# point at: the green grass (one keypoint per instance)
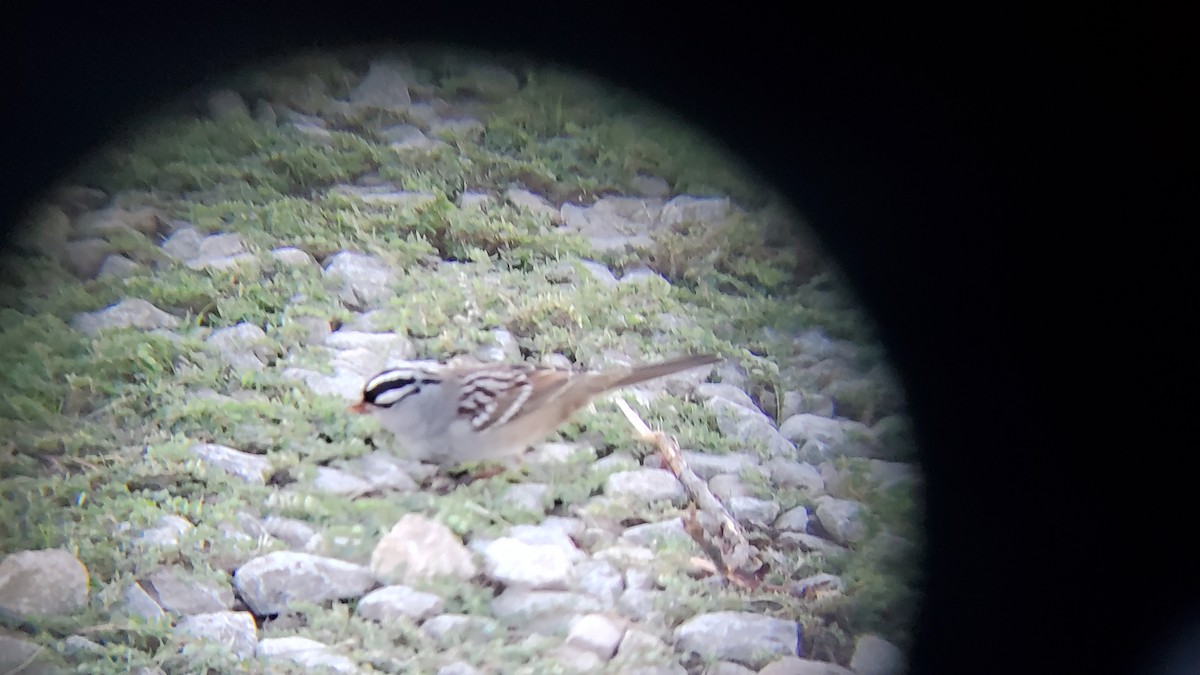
(96, 430)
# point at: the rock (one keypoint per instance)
(117, 266)
(269, 584)
(178, 592)
(137, 602)
(298, 535)
(130, 313)
(645, 485)
(361, 280)
(84, 257)
(749, 639)
(474, 200)
(599, 272)
(707, 465)
(337, 482)
(44, 231)
(226, 104)
(45, 582)
(824, 437)
(459, 668)
(613, 224)
(26, 657)
(558, 454)
(545, 612)
(596, 633)
(818, 582)
(797, 666)
(388, 604)
(798, 402)
(183, 244)
(793, 520)
(381, 470)
(809, 543)
(292, 257)
(221, 252)
(490, 82)
(638, 644)
(599, 579)
(624, 556)
(536, 566)
(727, 486)
(788, 474)
(643, 275)
(408, 137)
(750, 424)
(728, 392)
(875, 656)
(306, 653)
(726, 668)
(384, 194)
(457, 629)
(467, 129)
(700, 210)
(387, 345)
(166, 533)
(529, 497)
(531, 203)
(651, 186)
(751, 510)
(233, 631)
(250, 468)
(842, 519)
(385, 86)
(552, 532)
(418, 548)
(642, 604)
(243, 347)
(652, 535)
(78, 199)
(146, 221)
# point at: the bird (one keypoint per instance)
(458, 414)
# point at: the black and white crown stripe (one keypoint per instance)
(390, 386)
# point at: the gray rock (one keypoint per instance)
(271, 583)
(418, 548)
(789, 474)
(220, 251)
(599, 579)
(830, 437)
(250, 468)
(545, 612)
(646, 485)
(130, 313)
(178, 592)
(688, 209)
(727, 668)
(226, 104)
(44, 231)
(457, 629)
(166, 533)
(797, 402)
(536, 566)
(297, 534)
(243, 347)
(535, 204)
(292, 257)
(614, 223)
(529, 497)
(46, 582)
(822, 582)
(306, 653)
(793, 520)
(475, 200)
(642, 604)
(184, 244)
(26, 657)
(639, 645)
(117, 266)
(596, 633)
(639, 579)
(77, 199)
(652, 535)
(501, 348)
(390, 603)
(390, 345)
(233, 631)
(552, 532)
(146, 221)
(875, 656)
(728, 392)
(337, 482)
(624, 556)
(137, 602)
(809, 543)
(488, 81)
(708, 465)
(793, 665)
(558, 454)
(749, 639)
(643, 275)
(651, 186)
(361, 280)
(465, 129)
(751, 425)
(727, 486)
(385, 86)
(81, 647)
(84, 257)
(842, 519)
(381, 470)
(459, 668)
(408, 137)
(752, 510)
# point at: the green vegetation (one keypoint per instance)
(97, 430)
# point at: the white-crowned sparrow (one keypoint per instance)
(491, 412)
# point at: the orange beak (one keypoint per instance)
(360, 408)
